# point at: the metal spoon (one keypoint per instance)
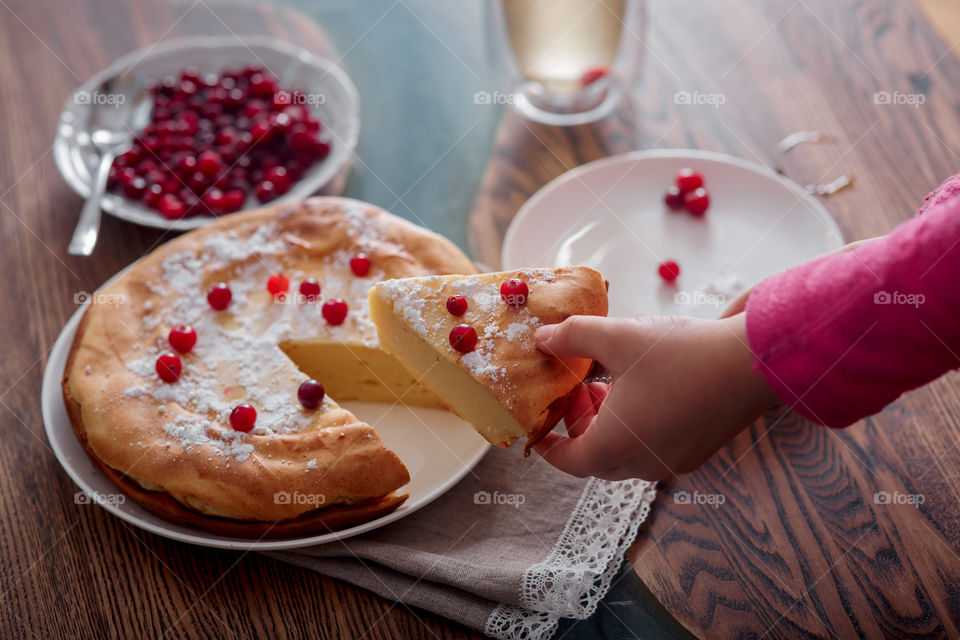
(118, 109)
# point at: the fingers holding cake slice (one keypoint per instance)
(469, 340)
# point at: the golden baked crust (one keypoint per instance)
(171, 444)
(161, 504)
(533, 387)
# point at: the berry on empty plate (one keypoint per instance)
(669, 270)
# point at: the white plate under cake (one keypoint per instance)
(171, 445)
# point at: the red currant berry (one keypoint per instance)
(300, 138)
(310, 289)
(360, 264)
(278, 284)
(673, 198)
(592, 75)
(213, 201)
(191, 74)
(243, 417)
(209, 163)
(254, 107)
(457, 305)
(169, 367)
(182, 338)
(197, 181)
(334, 311)
(687, 180)
(262, 85)
(310, 394)
(463, 338)
(265, 191)
(261, 131)
(135, 188)
(219, 296)
(187, 165)
(514, 292)
(697, 201)
(171, 207)
(188, 88)
(669, 270)
(151, 197)
(233, 200)
(280, 179)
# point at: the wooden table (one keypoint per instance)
(800, 547)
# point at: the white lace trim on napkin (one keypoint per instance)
(576, 574)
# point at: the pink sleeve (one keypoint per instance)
(841, 337)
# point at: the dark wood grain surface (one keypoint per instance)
(73, 570)
(801, 547)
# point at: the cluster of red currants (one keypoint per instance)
(215, 139)
(688, 193)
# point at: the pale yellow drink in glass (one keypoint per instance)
(555, 42)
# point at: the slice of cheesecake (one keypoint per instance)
(482, 361)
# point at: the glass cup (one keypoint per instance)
(571, 60)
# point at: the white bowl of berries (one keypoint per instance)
(236, 122)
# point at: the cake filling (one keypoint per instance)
(355, 372)
(464, 396)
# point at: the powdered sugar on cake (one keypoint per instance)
(238, 349)
(363, 230)
(479, 364)
(191, 431)
(231, 247)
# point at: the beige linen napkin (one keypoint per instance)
(515, 546)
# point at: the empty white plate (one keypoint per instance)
(610, 215)
(437, 447)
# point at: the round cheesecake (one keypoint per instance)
(171, 445)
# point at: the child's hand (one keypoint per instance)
(681, 389)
